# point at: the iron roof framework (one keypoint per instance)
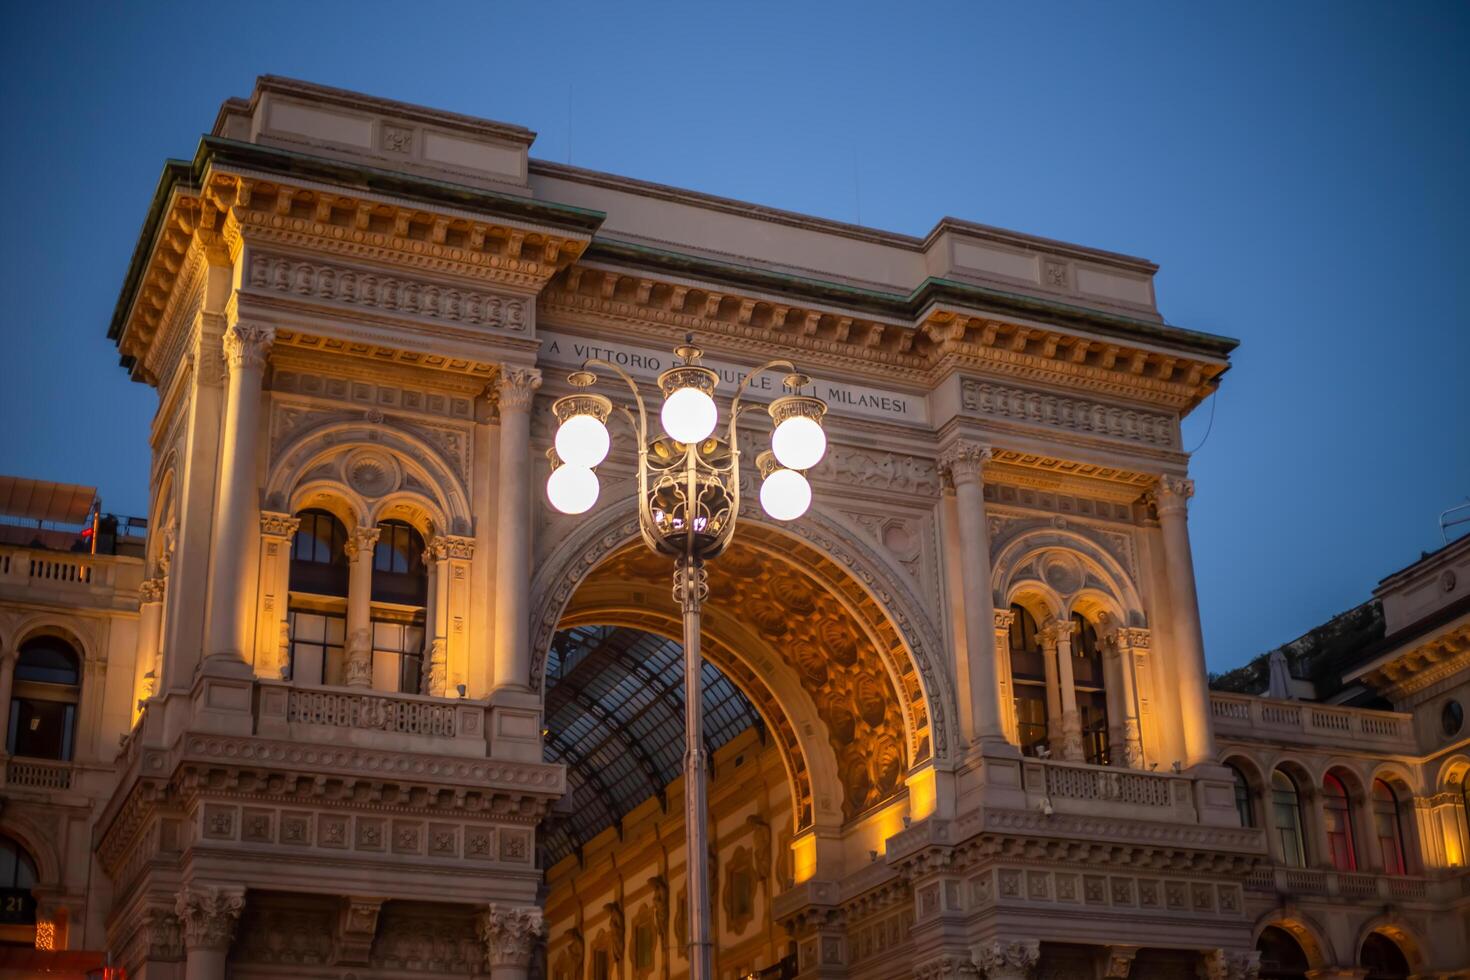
(615, 718)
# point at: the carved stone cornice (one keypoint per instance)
(1084, 416)
(274, 524)
(209, 916)
(246, 345)
(510, 934)
(516, 388)
(964, 462)
(1007, 959)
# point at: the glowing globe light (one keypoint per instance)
(689, 415)
(572, 489)
(582, 440)
(785, 495)
(799, 443)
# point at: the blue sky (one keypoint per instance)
(1298, 170)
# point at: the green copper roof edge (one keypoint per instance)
(174, 171)
(910, 304)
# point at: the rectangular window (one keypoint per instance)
(318, 647)
(397, 656)
(1092, 706)
(41, 729)
(599, 965)
(1030, 717)
(642, 947)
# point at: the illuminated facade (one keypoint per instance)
(384, 713)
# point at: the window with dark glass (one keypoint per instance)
(1286, 819)
(1389, 829)
(17, 904)
(1028, 681)
(318, 555)
(43, 700)
(1337, 813)
(1383, 958)
(1243, 804)
(398, 565)
(1092, 696)
(397, 656)
(1281, 955)
(643, 947)
(600, 965)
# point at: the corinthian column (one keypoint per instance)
(208, 917)
(510, 934)
(1171, 499)
(517, 389)
(1058, 636)
(436, 620)
(1001, 960)
(150, 631)
(360, 545)
(976, 673)
(231, 557)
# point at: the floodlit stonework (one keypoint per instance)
(367, 707)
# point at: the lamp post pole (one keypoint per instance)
(688, 506)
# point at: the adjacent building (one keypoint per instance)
(364, 706)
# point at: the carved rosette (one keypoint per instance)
(510, 934)
(1000, 960)
(964, 462)
(1171, 494)
(246, 345)
(278, 525)
(516, 388)
(209, 916)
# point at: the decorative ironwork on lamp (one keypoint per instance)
(688, 507)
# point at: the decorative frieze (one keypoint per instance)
(870, 470)
(988, 399)
(389, 294)
(373, 394)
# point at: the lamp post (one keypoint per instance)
(688, 506)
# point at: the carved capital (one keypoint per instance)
(999, 960)
(948, 966)
(516, 388)
(356, 926)
(246, 345)
(278, 525)
(447, 546)
(964, 462)
(1003, 620)
(1118, 962)
(510, 933)
(209, 916)
(1221, 964)
(360, 542)
(1171, 494)
(151, 590)
(163, 933)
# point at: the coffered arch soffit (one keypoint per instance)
(754, 667)
(1064, 569)
(379, 469)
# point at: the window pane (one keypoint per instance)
(41, 729)
(48, 660)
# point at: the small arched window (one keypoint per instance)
(1028, 681)
(1243, 803)
(43, 701)
(17, 905)
(319, 555)
(1337, 812)
(1091, 687)
(1286, 819)
(1388, 828)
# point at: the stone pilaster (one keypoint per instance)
(150, 635)
(510, 934)
(1008, 959)
(272, 642)
(1171, 499)
(517, 390)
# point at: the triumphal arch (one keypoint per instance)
(392, 715)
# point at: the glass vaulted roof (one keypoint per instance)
(615, 717)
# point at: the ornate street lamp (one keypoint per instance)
(688, 505)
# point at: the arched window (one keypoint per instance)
(1286, 819)
(1337, 812)
(1092, 695)
(1282, 957)
(1028, 681)
(17, 906)
(1388, 828)
(1243, 803)
(400, 594)
(1383, 958)
(43, 702)
(318, 609)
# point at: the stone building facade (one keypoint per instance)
(384, 713)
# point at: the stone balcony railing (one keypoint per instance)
(1242, 716)
(34, 574)
(37, 773)
(1351, 886)
(1070, 787)
(404, 722)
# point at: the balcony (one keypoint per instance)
(1066, 787)
(1244, 717)
(1344, 886)
(69, 578)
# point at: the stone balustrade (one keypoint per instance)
(37, 774)
(1243, 716)
(34, 574)
(1068, 787)
(405, 722)
(1366, 887)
